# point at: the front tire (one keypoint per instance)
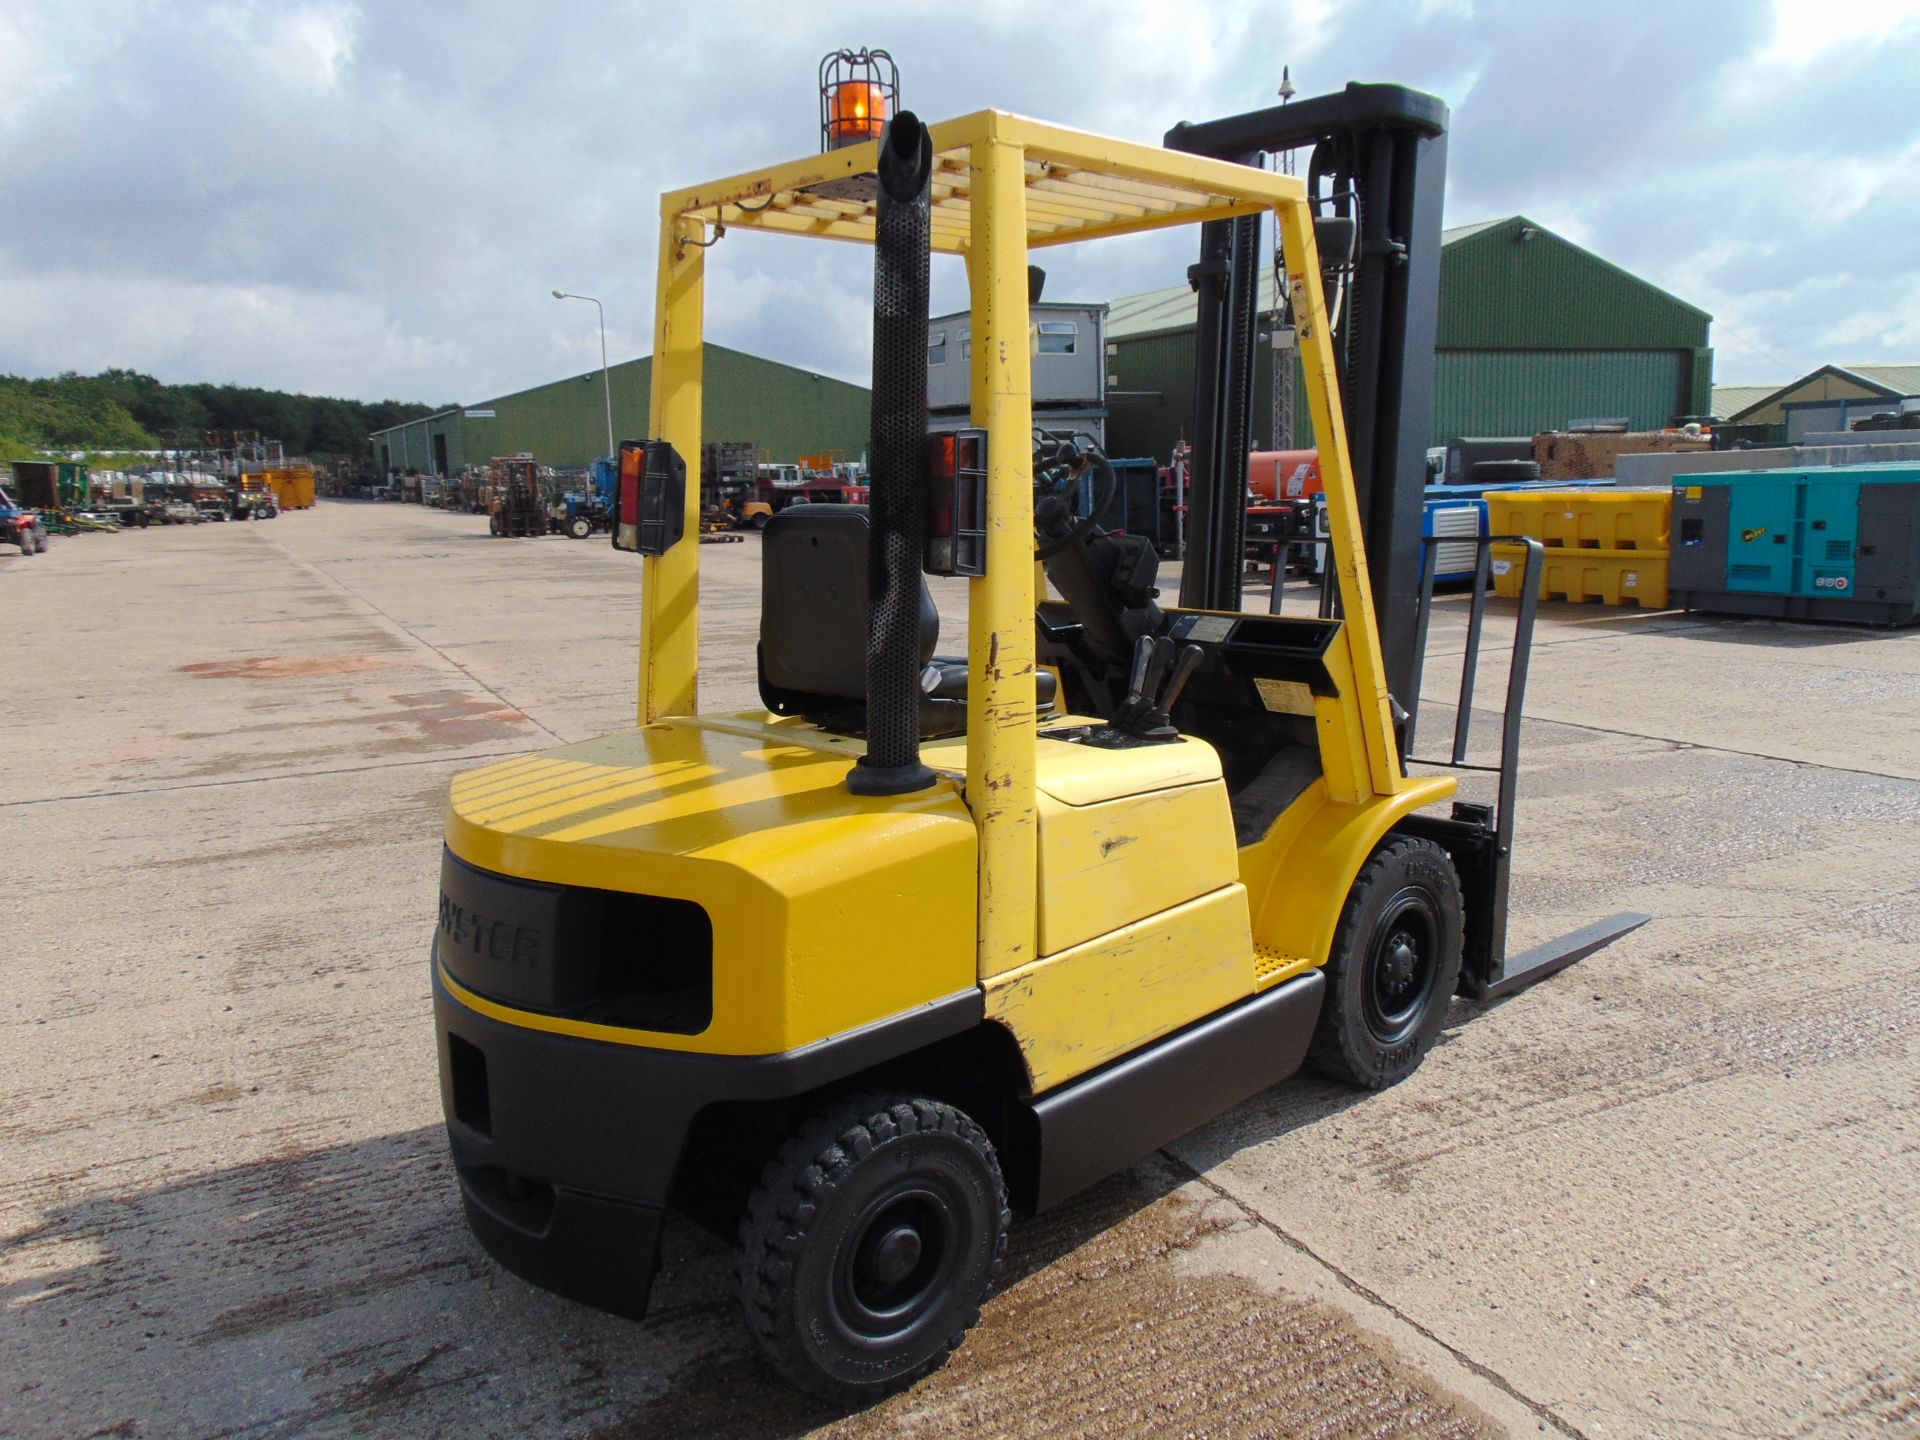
(869, 1244)
(1396, 960)
(580, 527)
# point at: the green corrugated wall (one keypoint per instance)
(1521, 392)
(1533, 334)
(1500, 292)
(1162, 366)
(1149, 393)
(783, 410)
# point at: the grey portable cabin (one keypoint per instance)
(1069, 360)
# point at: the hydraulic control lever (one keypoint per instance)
(1159, 673)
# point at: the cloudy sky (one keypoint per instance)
(373, 198)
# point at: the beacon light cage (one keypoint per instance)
(859, 93)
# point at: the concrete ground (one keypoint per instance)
(1673, 1192)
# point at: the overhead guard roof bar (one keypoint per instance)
(1078, 187)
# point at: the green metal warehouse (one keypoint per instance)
(782, 410)
(1534, 333)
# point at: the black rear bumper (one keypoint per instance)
(567, 1149)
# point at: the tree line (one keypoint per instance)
(125, 410)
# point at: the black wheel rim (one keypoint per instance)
(1403, 958)
(897, 1263)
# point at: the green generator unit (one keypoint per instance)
(1840, 544)
(51, 484)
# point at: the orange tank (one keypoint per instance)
(1284, 474)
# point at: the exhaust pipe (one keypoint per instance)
(896, 457)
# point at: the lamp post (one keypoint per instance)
(606, 380)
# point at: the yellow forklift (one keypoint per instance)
(926, 940)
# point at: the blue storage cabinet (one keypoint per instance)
(1839, 544)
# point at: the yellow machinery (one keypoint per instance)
(292, 486)
(513, 498)
(251, 497)
(850, 992)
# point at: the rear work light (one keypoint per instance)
(957, 503)
(650, 498)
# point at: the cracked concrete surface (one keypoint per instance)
(1673, 1192)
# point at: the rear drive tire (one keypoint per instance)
(1396, 959)
(41, 542)
(869, 1244)
(26, 542)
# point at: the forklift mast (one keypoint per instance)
(1379, 163)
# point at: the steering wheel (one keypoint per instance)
(1061, 471)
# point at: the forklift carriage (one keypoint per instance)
(928, 939)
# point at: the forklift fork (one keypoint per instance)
(1480, 836)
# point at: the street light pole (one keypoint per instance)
(606, 378)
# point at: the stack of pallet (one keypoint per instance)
(1609, 546)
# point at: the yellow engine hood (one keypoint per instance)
(830, 910)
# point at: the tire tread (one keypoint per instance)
(787, 1200)
(1334, 1050)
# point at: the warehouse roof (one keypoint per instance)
(1895, 382)
(1462, 232)
(619, 368)
(1573, 275)
(1731, 400)
(1173, 307)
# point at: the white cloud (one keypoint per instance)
(25, 61)
(375, 200)
(225, 333)
(1806, 30)
(311, 47)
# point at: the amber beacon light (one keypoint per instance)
(859, 89)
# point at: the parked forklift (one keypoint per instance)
(729, 494)
(514, 506)
(928, 939)
(250, 497)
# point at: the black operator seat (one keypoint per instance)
(813, 627)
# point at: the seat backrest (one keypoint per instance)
(813, 609)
